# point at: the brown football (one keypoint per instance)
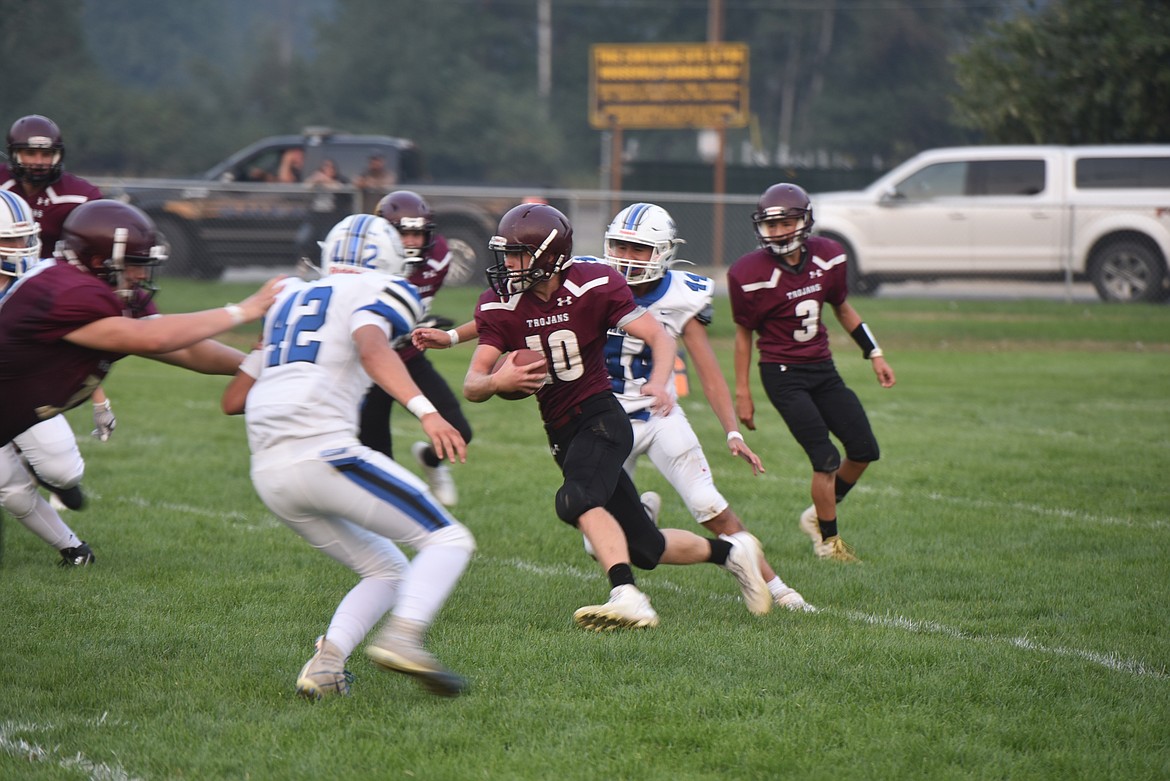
(524, 356)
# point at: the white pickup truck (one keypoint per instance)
(1100, 213)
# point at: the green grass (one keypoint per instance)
(1009, 619)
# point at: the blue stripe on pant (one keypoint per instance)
(419, 506)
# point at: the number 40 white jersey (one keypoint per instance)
(311, 379)
(673, 301)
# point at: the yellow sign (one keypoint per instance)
(668, 85)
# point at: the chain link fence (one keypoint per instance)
(215, 227)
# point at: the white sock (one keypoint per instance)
(43, 521)
(359, 611)
(777, 587)
(433, 575)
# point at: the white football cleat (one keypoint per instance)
(809, 525)
(439, 478)
(791, 599)
(627, 608)
(324, 674)
(652, 503)
(399, 649)
(744, 563)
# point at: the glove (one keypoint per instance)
(104, 420)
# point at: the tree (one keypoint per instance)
(1070, 72)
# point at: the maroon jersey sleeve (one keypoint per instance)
(570, 329)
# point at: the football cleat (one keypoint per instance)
(79, 556)
(652, 503)
(627, 608)
(439, 478)
(809, 524)
(744, 563)
(399, 649)
(791, 599)
(324, 675)
(836, 549)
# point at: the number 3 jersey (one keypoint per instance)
(311, 378)
(673, 301)
(784, 304)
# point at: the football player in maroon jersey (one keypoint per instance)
(540, 299)
(427, 262)
(67, 320)
(35, 171)
(779, 293)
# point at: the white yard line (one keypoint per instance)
(12, 744)
(1111, 661)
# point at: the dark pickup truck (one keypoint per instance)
(243, 212)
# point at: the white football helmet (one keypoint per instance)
(643, 223)
(20, 235)
(363, 242)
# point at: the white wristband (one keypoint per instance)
(875, 353)
(237, 313)
(734, 435)
(102, 404)
(453, 335)
(420, 405)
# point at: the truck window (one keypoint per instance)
(1005, 177)
(941, 180)
(1097, 173)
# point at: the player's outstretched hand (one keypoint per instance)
(257, 304)
(445, 438)
(740, 448)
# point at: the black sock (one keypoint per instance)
(828, 528)
(720, 550)
(620, 575)
(842, 489)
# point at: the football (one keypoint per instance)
(524, 356)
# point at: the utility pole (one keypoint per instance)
(544, 53)
(715, 35)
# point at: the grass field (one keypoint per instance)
(1010, 618)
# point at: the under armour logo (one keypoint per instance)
(564, 300)
(816, 272)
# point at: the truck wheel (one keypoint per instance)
(186, 258)
(469, 255)
(859, 284)
(1128, 270)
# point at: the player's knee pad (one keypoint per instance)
(454, 536)
(19, 499)
(825, 457)
(864, 451)
(574, 500)
(646, 551)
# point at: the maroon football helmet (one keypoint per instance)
(105, 236)
(407, 211)
(35, 132)
(535, 228)
(784, 201)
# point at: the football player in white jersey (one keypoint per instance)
(641, 243)
(323, 343)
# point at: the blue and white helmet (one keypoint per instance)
(649, 225)
(363, 242)
(20, 235)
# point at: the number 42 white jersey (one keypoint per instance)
(311, 378)
(677, 298)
